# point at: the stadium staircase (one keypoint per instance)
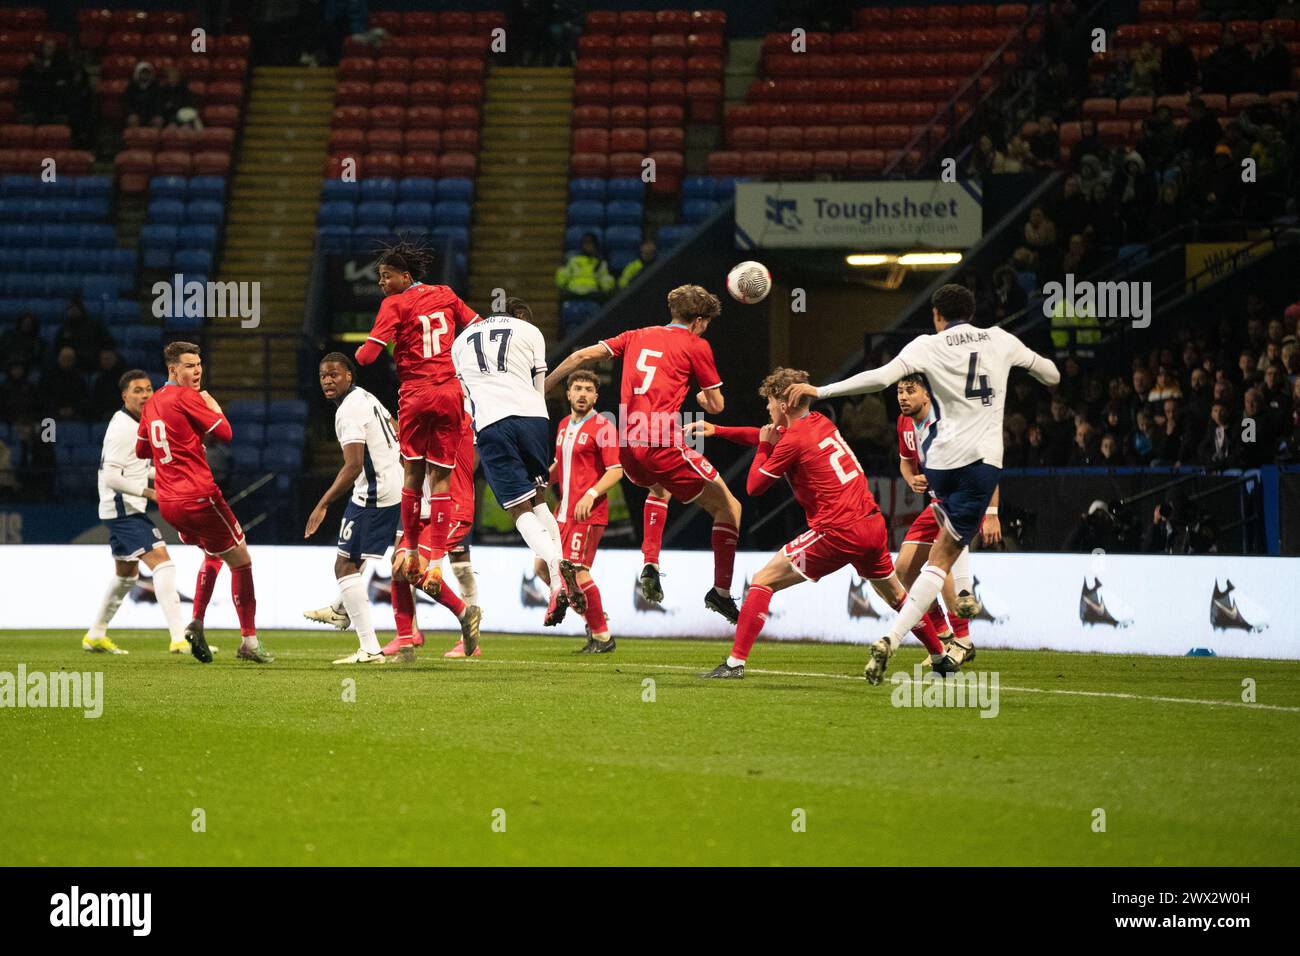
(518, 234)
(272, 223)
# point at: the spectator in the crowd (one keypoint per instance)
(1071, 212)
(44, 85)
(1144, 441)
(1039, 231)
(105, 393)
(84, 334)
(1221, 445)
(1133, 190)
(1173, 448)
(1274, 391)
(143, 99)
(1258, 443)
(633, 269)
(1272, 159)
(1158, 538)
(1202, 132)
(174, 95)
(1089, 144)
(1160, 136)
(1144, 77)
(1167, 214)
(1228, 69)
(1055, 93)
(1086, 450)
(20, 398)
(1045, 143)
(1095, 531)
(23, 344)
(64, 387)
(1166, 386)
(1110, 454)
(1271, 62)
(1036, 452)
(1178, 72)
(1008, 297)
(586, 273)
(982, 158)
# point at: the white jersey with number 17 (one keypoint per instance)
(498, 360)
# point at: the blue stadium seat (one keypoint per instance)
(72, 433)
(208, 211)
(115, 260)
(586, 187)
(208, 187)
(142, 337)
(183, 323)
(374, 213)
(459, 235)
(43, 260)
(93, 187)
(337, 239)
(119, 312)
(6, 435)
(61, 284)
(573, 236)
(164, 211)
(83, 234)
(698, 210)
(169, 187)
(337, 213)
(586, 212)
(625, 187)
(451, 212)
(412, 230)
(282, 459)
(246, 410)
(622, 237)
(624, 212)
(575, 312)
(379, 189)
(619, 258)
(248, 433)
(94, 286)
(336, 190)
(669, 236)
(417, 189)
(156, 245)
(414, 211)
(246, 457)
(13, 184)
(290, 434)
(97, 432)
(287, 410)
(724, 187)
(22, 235)
(456, 189)
(192, 260)
(12, 259)
(697, 187)
(197, 235)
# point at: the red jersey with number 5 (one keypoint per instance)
(823, 473)
(659, 363)
(422, 322)
(172, 425)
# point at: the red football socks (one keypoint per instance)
(450, 599)
(403, 607)
(925, 631)
(960, 625)
(724, 540)
(753, 615)
(652, 538)
(439, 522)
(595, 610)
(207, 580)
(241, 591)
(411, 516)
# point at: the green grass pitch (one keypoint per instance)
(430, 760)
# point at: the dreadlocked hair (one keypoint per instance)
(406, 255)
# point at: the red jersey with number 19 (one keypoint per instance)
(172, 425)
(658, 364)
(422, 322)
(823, 473)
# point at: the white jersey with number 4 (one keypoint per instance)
(498, 360)
(362, 419)
(967, 368)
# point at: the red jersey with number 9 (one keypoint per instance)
(823, 473)
(422, 322)
(172, 425)
(659, 363)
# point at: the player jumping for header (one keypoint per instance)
(422, 320)
(967, 369)
(844, 523)
(659, 363)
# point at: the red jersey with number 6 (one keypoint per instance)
(823, 473)
(422, 322)
(659, 363)
(172, 425)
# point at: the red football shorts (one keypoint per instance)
(431, 423)
(207, 522)
(681, 470)
(925, 528)
(579, 540)
(864, 544)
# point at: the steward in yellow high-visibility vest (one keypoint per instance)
(585, 273)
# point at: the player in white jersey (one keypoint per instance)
(372, 471)
(967, 369)
(501, 363)
(124, 496)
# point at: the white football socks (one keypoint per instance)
(169, 599)
(467, 579)
(537, 537)
(118, 588)
(924, 590)
(353, 593)
(552, 528)
(961, 576)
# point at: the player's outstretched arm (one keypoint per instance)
(711, 400)
(1041, 368)
(872, 380)
(761, 478)
(353, 462)
(574, 362)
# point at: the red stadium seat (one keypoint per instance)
(1160, 11)
(455, 21)
(356, 68)
(1203, 32)
(628, 114)
(430, 68)
(629, 139)
(355, 116)
(630, 68)
(723, 163)
(590, 117)
(662, 114)
(877, 112)
(704, 97)
(218, 115)
(785, 137)
(216, 139)
(705, 43)
(1114, 132)
(1136, 107)
(866, 162)
(1284, 29)
(625, 164)
(125, 42)
(636, 21)
(1247, 30)
(628, 91)
(173, 138)
(389, 93)
(462, 117)
(173, 163)
(893, 134)
(673, 21)
(794, 163)
(465, 92)
(915, 112)
(1241, 101)
(1186, 9)
(851, 42)
(632, 44)
(589, 164)
(459, 140)
(233, 44)
(666, 139)
(426, 91)
(595, 43)
(830, 160)
(1099, 106)
(908, 16)
(747, 137)
(383, 164)
(1216, 103)
(668, 65)
(593, 68)
(226, 92)
(1011, 13)
(421, 22)
(760, 162)
(844, 114)
(423, 117)
(347, 140)
(420, 163)
(352, 93)
(708, 21)
(590, 141)
(387, 117)
(600, 21)
(666, 91)
(821, 137)
(976, 15)
(485, 21)
(75, 162)
(873, 18)
(133, 137)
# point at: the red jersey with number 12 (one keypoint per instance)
(823, 473)
(172, 425)
(422, 322)
(659, 363)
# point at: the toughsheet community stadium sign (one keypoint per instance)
(1126, 604)
(923, 213)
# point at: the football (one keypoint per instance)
(749, 282)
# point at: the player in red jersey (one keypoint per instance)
(422, 320)
(845, 525)
(660, 362)
(916, 417)
(467, 611)
(173, 425)
(586, 467)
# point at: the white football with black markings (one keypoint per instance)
(749, 282)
